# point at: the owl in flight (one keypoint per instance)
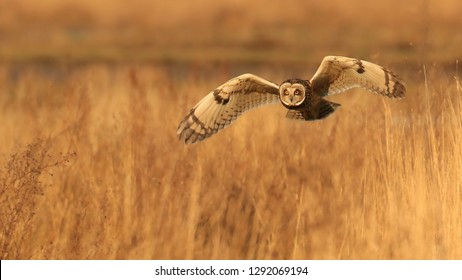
(304, 99)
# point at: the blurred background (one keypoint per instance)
(202, 31)
(92, 92)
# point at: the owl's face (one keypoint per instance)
(293, 92)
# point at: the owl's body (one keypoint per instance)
(297, 96)
(303, 98)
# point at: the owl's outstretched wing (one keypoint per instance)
(337, 74)
(223, 105)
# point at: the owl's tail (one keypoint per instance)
(320, 110)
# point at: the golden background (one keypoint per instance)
(92, 92)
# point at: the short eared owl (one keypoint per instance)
(303, 98)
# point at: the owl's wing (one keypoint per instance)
(223, 105)
(337, 74)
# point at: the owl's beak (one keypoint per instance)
(291, 98)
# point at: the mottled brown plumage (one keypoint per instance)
(303, 98)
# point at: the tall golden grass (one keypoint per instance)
(91, 167)
(378, 179)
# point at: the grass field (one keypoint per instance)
(91, 95)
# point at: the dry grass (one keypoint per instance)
(19, 190)
(379, 179)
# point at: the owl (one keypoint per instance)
(304, 99)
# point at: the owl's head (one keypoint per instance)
(293, 92)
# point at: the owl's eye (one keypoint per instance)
(297, 92)
(286, 92)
